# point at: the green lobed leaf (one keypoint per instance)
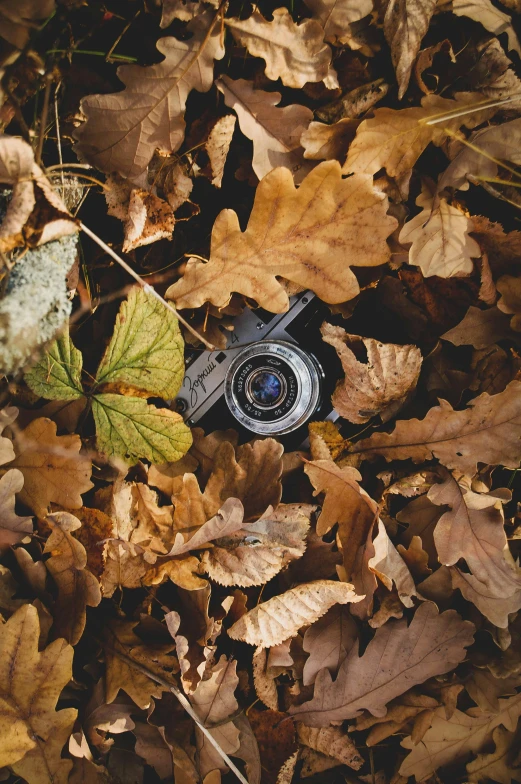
(57, 375)
(146, 349)
(131, 428)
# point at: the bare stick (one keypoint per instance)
(146, 286)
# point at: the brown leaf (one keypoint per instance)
(405, 24)
(7, 417)
(335, 16)
(379, 386)
(490, 17)
(328, 641)
(33, 732)
(293, 53)
(226, 522)
(479, 328)
(326, 142)
(510, 302)
(490, 601)
(147, 218)
(123, 129)
(396, 658)
(275, 132)
(487, 431)
(77, 587)
(390, 567)
(449, 741)
(53, 469)
(152, 747)
(218, 144)
(304, 235)
(274, 621)
(332, 741)
(496, 765)
(13, 528)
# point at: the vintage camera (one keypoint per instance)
(271, 380)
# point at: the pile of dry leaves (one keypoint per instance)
(180, 605)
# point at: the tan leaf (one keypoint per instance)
(335, 16)
(305, 236)
(326, 142)
(496, 765)
(328, 641)
(183, 571)
(440, 239)
(473, 529)
(395, 138)
(492, 19)
(7, 417)
(293, 53)
(33, 733)
(488, 599)
(13, 528)
(53, 469)
(390, 607)
(416, 558)
(274, 621)
(218, 144)
(397, 658)
(479, 328)
(123, 129)
(151, 746)
(510, 302)
(390, 567)
(275, 132)
(18, 17)
(487, 431)
(452, 740)
(226, 522)
(332, 741)
(400, 713)
(258, 551)
(147, 217)
(214, 702)
(405, 24)
(264, 682)
(379, 386)
(120, 642)
(77, 587)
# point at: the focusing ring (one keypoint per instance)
(300, 378)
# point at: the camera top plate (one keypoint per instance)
(203, 383)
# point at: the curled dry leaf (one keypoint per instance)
(123, 129)
(510, 301)
(33, 732)
(275, 132)
(147, 218)
(305, 235)
(379, 386)
(274, 621)
(258, 551)
(488, 431)
(454, 739)
(217, 146)
(441, 244)
(390, 567)
(492, 19)
(405, 24)
(326, 142)
(293, 53)
(77, 587)
(498, 764)
(53, 469)
(398, 657)
(335, 16)
(490, 601)
(226, 522)
(328, 641)
(13, 528)
(480, 328)
(331, 741)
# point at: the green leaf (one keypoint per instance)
(130, 428)
(146, 350)
(57, 375)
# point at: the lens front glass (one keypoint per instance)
(265, 388)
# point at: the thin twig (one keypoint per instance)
(120, 36)
(43, 118)
(58, 138)
(146, 286)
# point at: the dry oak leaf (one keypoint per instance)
(332, 741)
(452, 740)
(335, 16)
(123, 129)
(53, 468)
(510, 302)
(398, 657)
(328, 641)
(293, 53)
(33, 733)
(122, 643)
(13, 528)
(255, 553)
(77, 587)
(214, 701)
(405, 24)
(327, 142)
(7, 417)
(489, 599)
(488, 431)
(226, 522)
(492, 19)
(381, 385)
(480, 328)
(498, 764)
(308, 236)
(280, 618)
(473, 529)
(439, 237)
(411, 706)
(217, 146)
(390, 567)
(147, 218)
(275, 132)
(395, 138)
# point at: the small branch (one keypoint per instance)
(43, 118)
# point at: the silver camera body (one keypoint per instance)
(270, 380)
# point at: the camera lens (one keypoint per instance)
(273, 387)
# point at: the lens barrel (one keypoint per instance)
(272, 387)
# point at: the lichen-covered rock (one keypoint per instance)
(35, 305)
